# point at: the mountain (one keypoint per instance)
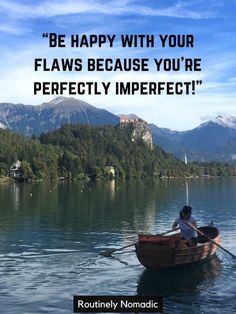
(208, 135)
(29, 120)
(168, 140)
(212, 140)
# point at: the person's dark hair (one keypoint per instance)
(186, 210)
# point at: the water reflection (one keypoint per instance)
(190, 278)
(16, 195)
(42, 225)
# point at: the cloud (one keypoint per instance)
(11, 28)
(181, 9)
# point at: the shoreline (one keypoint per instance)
(6, 179)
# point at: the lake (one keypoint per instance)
(51, 236)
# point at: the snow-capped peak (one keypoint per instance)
(226, 121)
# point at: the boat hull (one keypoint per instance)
(158, 252)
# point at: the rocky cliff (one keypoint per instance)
(139, 129)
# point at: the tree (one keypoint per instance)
(26, 170)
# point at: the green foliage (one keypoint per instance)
(4, 170)
(214, 168)
(82, 151)
(26, 169)
(38, 161)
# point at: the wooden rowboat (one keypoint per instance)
(160, 252)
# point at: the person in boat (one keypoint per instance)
(186, 232)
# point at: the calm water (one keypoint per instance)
(51, 236)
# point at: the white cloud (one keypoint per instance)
(12, 28)
(59, 7)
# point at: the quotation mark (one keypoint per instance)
(45, 35)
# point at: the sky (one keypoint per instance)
(211, 22)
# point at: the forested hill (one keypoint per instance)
(80, 151)
(88, 149)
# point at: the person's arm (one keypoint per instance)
(193, 222)
(175, 224)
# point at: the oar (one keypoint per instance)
(109, 252)
(169, 231)
(203, 234)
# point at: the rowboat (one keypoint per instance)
(161, 252)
